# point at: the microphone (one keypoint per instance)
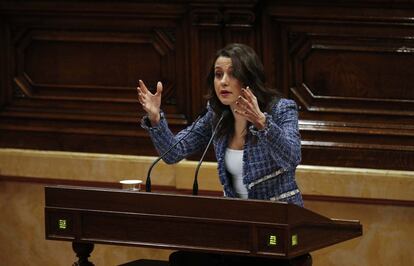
(148, 181)
(195, 184)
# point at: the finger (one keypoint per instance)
(141, 97)
(139, 91)
(248, 113)
(159, 88)
(242, 100)
(248, 94)
(243, 103)
(243, 113)
(144, 88)
(141, 101)
(239, 112)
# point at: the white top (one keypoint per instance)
(233, 160)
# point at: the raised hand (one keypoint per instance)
(151, 103)
(247, 107)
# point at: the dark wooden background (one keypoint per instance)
(69, 69)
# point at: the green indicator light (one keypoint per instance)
(62, 224)
(272, 240)
(294, 240)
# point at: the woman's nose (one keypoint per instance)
(224, 79)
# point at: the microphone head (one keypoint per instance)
(225, 113)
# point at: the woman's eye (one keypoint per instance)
(218, 74)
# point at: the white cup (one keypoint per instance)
(131, 184)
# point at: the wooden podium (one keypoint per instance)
(86, 215)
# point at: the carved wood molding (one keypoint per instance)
(354, 79)
(87, 77)
(223, 18)
(347, 66)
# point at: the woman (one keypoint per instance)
(257, 147)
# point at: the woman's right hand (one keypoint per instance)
(151, 103)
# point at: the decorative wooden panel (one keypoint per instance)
(351, 76)
(68, 71)
(74, 73)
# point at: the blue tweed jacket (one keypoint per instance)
(270, 156)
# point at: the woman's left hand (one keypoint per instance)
(247, 107)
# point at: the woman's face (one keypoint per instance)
(226, 86)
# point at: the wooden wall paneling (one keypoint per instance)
(266, 48)
(183, 66)
(350, 76)
(69, 70)
(213, 26)
(77, 73)
(3, 62)
(239, 26)
(206, 39)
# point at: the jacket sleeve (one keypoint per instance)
(163, 138)
(281, 134)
